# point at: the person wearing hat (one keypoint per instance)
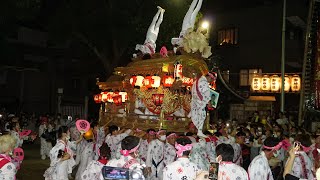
(155, 156)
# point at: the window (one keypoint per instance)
(246, 76)
(228, 36)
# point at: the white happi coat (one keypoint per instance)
(100, 137)
(231, 171)
(86, 157)
(16, 136)
(169, 154)
(122, 161)
(199, 156)
(155, 156)
(45, 146)
(93, 171)
(297, 169)
(226, 140)
(198, 113)
(80, 147)
(8, 171)
(181, 169)
(259, 168)
(211, 151)
(114, 142)
(143, 149)
(58, 169)
(237, 159)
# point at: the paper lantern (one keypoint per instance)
(107, 97)
(133, 80)
(295, 83)
(117, 100)
(167, 81)
(97, 98)
(286, 83)
(187, 81)
(124, 96)
(147, 81)
(157, 99)
(178, 70)
(256, 83)
(156, 81)
(275, 83)
(265, 83)
(136, 81)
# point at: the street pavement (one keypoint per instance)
(33, 167)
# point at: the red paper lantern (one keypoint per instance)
(178, 70)
(133, 80)
(117, 100)
(147, 82)
(157, 99)
(98, 98)
(107, 97)
(156, 81)
(167, 81)
(124, 96)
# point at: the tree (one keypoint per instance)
(111, 28)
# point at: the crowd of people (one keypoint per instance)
(265, 148)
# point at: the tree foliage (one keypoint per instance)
(112, 28)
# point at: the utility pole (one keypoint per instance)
(283, 52)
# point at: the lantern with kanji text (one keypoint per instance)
(295, 83)
(107, 96)
(265, 83)
(98, 98)
(147, 82)
(178, 70)
(167, 81)
(117, 100)
(156, 81)
(286, 83)
(256, 83)
(275, 83)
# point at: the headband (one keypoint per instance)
(277, 147)
(211, 75)
(152, 133)
(172, 134)
(128, 152)
(304, 148)
(160, 131)
(138, 130)
(180, 148)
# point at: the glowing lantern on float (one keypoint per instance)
(157, 99)
(265, 83)
(147, 81)
(295, 83)
(167, 81)
(139, 81)
(178, 70)
(98, 98)
(124, 96)
(156, 81)
(275, 83)
(107, 96)
(256, 83)
(117, 100)
(187, 81)
(133, 80)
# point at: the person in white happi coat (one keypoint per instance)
(155, 157)
(99, 137)
(114, 138)
(87, 154)
(7, 168)
(15, 133)
(129, 154)
(259, 167)
(169, 149)
(61, 156)
(149, 46)
(227, 169)
(240, 139)
(93, 170)
(303, 166)
(199, 155)
(182, 168)
(143, 148)
(45, 146)
(200, 98)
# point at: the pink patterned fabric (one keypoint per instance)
(128, 152)
(180, 148)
